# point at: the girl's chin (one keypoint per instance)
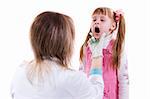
(97, 36)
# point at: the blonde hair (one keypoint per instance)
(52, 35)
(117, 48)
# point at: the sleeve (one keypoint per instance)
(123, 77)
(83, 88)
(12, 91)
(17, 73)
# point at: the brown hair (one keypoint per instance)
(117, 48)
(84, 44)
(52, 35)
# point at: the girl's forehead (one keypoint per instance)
(99, 15)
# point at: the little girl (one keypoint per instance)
(104, 47)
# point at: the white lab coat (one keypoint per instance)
(58, 84)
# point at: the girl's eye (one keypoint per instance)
(102, 20)
(94, 20)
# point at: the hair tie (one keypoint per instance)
(118, 13)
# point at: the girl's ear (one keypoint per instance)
(113, 26)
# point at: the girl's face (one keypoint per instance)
(101, 24)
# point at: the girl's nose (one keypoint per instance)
(97, 22)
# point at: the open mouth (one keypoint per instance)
(97, 30)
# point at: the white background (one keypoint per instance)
(17, 16)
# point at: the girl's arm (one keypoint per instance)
(82, 61)
(85, 64)
(82, 64)
(123, 77)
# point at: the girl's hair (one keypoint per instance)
(117, 47)
(84, 44)
(52, 35)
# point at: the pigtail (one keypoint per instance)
(118, 43)
(84, 44)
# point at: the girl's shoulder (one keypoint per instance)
(109, 48)
(111, 44)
